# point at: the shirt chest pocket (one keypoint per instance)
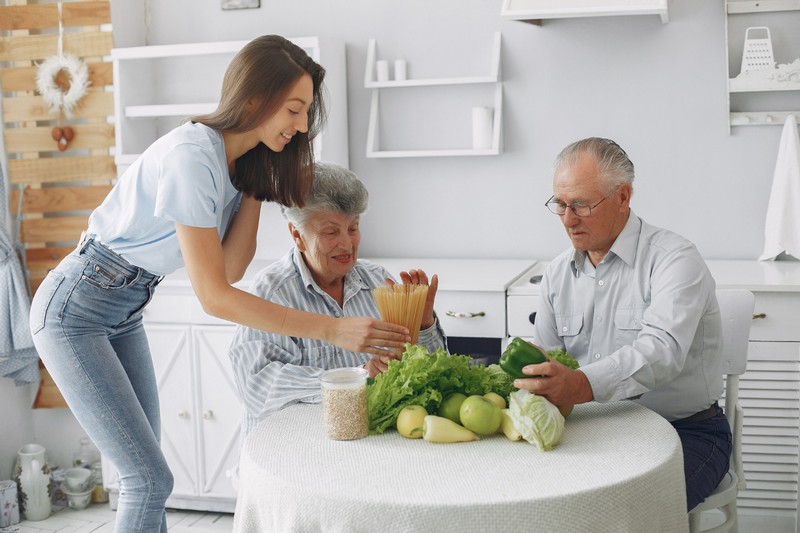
(627, 324)
(569, 325)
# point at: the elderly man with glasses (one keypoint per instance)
(636, 306)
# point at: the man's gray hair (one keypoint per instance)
(613, 163)
(334, 189)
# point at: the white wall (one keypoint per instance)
(55, 429)
(16, 426)
(659, 90)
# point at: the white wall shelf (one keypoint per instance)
(758, 82)
(168, 110)
(535, 10)
(373, 133)
(159, 86)
(744, 85)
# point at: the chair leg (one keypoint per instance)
(694, 522)
(733, 514)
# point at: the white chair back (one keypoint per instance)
(736, 311)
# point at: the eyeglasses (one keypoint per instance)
(580, 210)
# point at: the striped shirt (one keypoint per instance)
(272, 370)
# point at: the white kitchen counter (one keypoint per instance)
(470, 301)
(454, 274)
(761, 276)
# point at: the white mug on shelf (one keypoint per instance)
(382, 70)
(400, 71)
(482, 128)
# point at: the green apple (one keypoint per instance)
(451, 405)
(481, 415)
(496, 398)
(410, 421)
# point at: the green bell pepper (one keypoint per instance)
(518, 354)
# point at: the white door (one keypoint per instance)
(171, 351)
(220, 409)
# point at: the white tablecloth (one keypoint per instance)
(619, 468)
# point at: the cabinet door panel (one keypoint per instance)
(220, 409)
(171, 351)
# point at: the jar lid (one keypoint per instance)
(343, 378)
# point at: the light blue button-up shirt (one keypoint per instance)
(644, 322)
(272, 370)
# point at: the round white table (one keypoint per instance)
(619, 468)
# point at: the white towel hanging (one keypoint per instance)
(782, 228)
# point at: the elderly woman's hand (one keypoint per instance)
(378, 364)
(419, 277)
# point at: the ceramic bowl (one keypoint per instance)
(78, 479)
(78, 500)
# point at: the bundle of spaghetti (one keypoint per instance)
(402, 305)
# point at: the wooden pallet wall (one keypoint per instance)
(59, 189)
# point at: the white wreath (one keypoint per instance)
(55, 96)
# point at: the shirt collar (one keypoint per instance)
(302, 269)
(627, 241)
(624, 246)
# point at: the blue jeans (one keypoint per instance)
(86, 320)
(706, 455)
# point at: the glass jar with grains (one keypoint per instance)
(344, 401)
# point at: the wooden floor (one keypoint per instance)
(98, 518)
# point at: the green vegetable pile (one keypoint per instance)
(423, 378)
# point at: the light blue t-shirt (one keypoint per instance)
(182, 177)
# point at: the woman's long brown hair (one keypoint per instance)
(264, 71)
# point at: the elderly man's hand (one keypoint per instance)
(559, 384)
(419, 277)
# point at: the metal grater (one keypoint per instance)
(757, 50)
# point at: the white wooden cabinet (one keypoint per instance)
(755, 99)
(159, 86)
(200, 412)
(769, 392)
(450, 84)
(535, 10)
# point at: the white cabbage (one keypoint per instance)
(538, 421)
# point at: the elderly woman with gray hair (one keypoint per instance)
(320, 274)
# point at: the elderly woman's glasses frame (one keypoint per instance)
(580, 210)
